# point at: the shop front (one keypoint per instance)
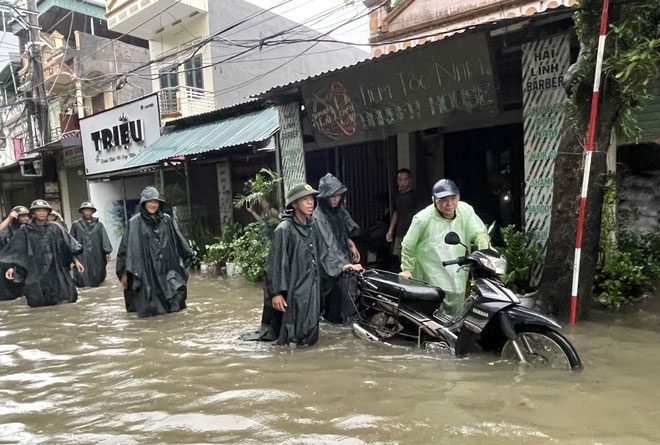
(109, 141)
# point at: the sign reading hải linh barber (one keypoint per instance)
(544, 63)
(437, 84)
(292, 156)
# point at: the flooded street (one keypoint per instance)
(91, 373)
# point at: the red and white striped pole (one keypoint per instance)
(591, 136)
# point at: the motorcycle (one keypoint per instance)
(393, 308)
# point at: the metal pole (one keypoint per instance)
(591, 136)
(123, 198)
(38, 87)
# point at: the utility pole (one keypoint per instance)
(39, 99)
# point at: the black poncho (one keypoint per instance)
(336, 227)
(96, 245)
(291, 270)
(151, 253)
(9, 290)
(41, 256)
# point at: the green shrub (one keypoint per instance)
(628, 263)
(523, 255)
(221, 251)
(250, 250)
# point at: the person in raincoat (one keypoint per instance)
(150, 260)
(91, 234)
(40, 256)
(19, 215)
(55, 217)
(337, 252)
(291, 275)
(424, 249)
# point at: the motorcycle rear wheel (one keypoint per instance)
(543, 348)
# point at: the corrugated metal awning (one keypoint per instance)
(252, 127)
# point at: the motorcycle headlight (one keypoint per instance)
(496, 264)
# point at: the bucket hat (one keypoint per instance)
(40, 204)
(299, 191)
(86, 205)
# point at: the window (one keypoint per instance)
(194, 76)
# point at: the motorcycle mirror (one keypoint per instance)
(452, 239)
(491, 227)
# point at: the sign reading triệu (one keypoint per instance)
(544, 64)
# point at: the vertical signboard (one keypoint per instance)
(292, 156)
(544, 63)
(224, 193)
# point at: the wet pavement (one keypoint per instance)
(91, 373)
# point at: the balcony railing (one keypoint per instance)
(184, 101)
(147, 19)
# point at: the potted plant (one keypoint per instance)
(524, 258)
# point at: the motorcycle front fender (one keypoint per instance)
(522, 316)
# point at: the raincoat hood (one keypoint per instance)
(151, 193)
(329, 185)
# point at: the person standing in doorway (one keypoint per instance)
(150, 260)
(424, 249)
(91, 234)
(406, 205)
(40, 255)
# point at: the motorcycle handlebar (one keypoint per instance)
(461, 261)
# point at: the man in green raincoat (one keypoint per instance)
(424, 249)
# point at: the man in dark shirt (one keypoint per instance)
(406, 205)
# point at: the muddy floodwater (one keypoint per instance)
(89, 373)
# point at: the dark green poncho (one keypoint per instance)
(41, 256)
(96, 245)
(291, 271)
(9, 290)
(336, 227)
(151, 253)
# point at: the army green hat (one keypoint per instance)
(86, 205)
(21, 210)
(299, 191)
(40, 204)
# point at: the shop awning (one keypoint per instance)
(245, 129)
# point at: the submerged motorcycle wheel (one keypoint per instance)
(544, 348)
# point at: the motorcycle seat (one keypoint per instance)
(408, 290)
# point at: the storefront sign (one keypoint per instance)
(111, 138)
(72, 156)
(441, 83)
(292, 156)
(544, 64)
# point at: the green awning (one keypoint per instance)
(252, 127)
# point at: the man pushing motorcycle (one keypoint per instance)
(424, 249)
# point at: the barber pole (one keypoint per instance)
(591, 136)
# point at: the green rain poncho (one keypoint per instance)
(96, 245)
(424, 249)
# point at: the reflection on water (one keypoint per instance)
(90, 373)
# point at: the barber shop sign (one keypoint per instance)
(111, 138)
